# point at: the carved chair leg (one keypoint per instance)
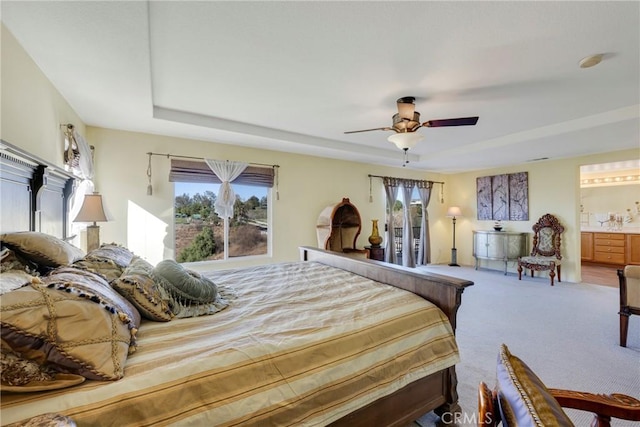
(519, 272)
(558, 268)
(532, 272)
(624, 328)
(552, 274)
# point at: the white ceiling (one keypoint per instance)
(293, 76)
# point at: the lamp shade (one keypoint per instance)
(405, 140)
(92, 209)
(454, 211)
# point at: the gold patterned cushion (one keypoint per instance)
(119, 255)
(73, 321)
(42, 248)
(109, 260)
(138, 286)
(523, 398)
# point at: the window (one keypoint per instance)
(200, 234)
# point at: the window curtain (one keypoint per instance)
(408, 248)
(424, 248)
(227, 172)
(391, 190)
(78, 161)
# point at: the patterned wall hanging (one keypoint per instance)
(503, 197)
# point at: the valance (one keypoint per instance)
(198, 171)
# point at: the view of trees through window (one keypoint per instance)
(415, 209)
(200, 232)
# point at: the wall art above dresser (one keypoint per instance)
(503, 197)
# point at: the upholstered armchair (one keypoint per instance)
(545, 253)
(520, 398)
(629, 298)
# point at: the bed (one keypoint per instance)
(348, 345)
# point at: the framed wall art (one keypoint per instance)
(503, 197)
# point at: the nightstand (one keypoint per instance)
(374, 252)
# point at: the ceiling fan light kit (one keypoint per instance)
(406, 122)
(405, 141)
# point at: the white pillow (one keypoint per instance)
(14, 279)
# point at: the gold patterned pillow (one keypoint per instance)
(109, 260)
(119, 255)
(523, 398)
(138, 286)
(41, 248)
(73, 321)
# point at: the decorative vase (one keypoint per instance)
(375, 239)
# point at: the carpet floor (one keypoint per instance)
(568, 334)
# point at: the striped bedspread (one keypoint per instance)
(300, 344)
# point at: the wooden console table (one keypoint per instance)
(499, 246)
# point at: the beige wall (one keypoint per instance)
(306, 186)
(621, 199)
(554, 187)
(32, 110)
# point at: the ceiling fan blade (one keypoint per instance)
(462, 121)
(367, 130)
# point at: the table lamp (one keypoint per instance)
(92, 210)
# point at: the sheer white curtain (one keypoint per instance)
(408, 250)
(391, 190)
(82, 167)
(226, 171)
(424, 248)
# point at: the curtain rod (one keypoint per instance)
(167, 155)
(379, 176)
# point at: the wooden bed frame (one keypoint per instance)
(35, 193)
(437, 391)
(35, 197)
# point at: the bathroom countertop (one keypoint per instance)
(624, 230)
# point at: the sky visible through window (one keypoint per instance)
(192, 188)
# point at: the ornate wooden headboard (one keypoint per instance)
(34, 194)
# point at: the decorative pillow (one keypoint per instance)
(138, 286)
(10, 260)
(109, 260)
(185, 285)
(191, 294)
(17, 371)
(42, 248)
(119, 255)
(14, 279)
(523, 398)
(46, 420)
(104, 267)
(73, 321)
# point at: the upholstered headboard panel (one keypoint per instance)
(34, 193)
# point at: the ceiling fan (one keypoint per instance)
(407, 121)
